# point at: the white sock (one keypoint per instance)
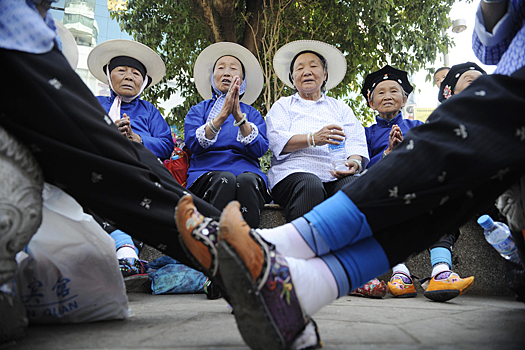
(126, 252)
(440, 267)
(400, 268)
(288, 241)
(314, 283)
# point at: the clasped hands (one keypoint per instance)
(124, 126)
(231, 104)
(394, 138)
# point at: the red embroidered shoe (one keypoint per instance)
(375, 289)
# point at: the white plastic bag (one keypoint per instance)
(69, 272)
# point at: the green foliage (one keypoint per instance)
(371, 33)
(265, 161)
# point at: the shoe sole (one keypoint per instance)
(257, 328)
(405, 295)
(135, 284)
(367, 296)
(409, 295)
(442, 295)
(197, 265)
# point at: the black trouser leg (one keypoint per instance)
(80, 150)
(249, 192)
(215, 187)
(471, 150)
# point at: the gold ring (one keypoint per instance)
(332, 131)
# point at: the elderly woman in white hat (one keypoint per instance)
(129, 67)
(302, 126)
(225, 134)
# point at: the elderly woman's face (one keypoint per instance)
(466, 79)
(388, 97)
(308, 73)
(126, 81)
(226, 68)
(440, 76)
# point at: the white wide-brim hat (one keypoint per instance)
(335, 60)
(103, 53)
(69, 45)
(252, 69)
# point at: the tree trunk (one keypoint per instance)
(217, 16)
(254, 29)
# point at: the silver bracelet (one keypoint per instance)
(358, 162)
(242, 121)
(213, 128)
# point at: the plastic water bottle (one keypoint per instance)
(338, 156)
(499, 236)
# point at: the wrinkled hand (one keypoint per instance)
(394, 138)
(235, 91)
(231, 104)
(124, 126)
(330, 134)
(352, 170)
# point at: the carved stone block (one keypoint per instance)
(21, 183)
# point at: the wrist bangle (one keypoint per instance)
(358, 162)
(213, 128)
(242, 121)
(310, 140)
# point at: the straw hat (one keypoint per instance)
(69, 45)
(334, 58)
(103, 53)
(204, 69)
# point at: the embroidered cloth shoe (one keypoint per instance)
(211, 291)
(402, 286)
(199, 236)
(447, 285)
(134, 272)
(375, 289)
(261, 289)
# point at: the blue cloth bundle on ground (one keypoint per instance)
(168, 276)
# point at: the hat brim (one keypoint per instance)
(69, 45)
(203, 70)
(335, 60)
(106, 51)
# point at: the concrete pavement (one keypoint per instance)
(184, 322)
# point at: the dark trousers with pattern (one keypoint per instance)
(447, 241)
(299, 193)
(448, 170)
(221, 187)
(48, 107)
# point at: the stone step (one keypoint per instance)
(472, 256)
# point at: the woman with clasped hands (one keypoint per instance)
(225, 134)
(302, 126)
